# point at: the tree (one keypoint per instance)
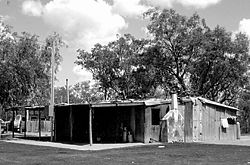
(24, 68)
(80, 92)
(40, 93)
(193, 59)
(174, 44)
(219, 73)
(117, 68)
(244, 106)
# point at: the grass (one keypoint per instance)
(11, 153)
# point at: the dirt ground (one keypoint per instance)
(176, 153)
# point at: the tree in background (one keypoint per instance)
(183, 55)
(81, 92)
(117, 67)
(219, 72)
(194, 59)
(24, 68)
(174, 44)
(244, 106)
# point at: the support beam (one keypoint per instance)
(0, 131)
(25, 123)
(67, 90)
(51, 109)
(13, 118)
(90, 126)
(71, 123)
(39, 124)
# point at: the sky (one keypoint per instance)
(83, 23)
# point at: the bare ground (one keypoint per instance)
(177, 153)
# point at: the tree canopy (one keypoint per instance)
(182, 55)
(24, 67)
(117, 66)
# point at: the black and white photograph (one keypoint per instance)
(120, 82)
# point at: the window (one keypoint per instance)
(155, 116)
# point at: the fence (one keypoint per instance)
(33, 126)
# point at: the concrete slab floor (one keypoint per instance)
(82, 147)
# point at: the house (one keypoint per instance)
(184, 120)
(207, 120)
(110, 121)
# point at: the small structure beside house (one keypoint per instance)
(206, 120)
(25, 119)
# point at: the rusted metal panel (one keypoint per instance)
(139, 124)
(147, 125)
(155, 133)
(188, 122)
(200, 122)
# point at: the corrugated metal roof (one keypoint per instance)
(154, 102)
(149, 102)
(203, 100)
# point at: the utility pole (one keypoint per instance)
(67, 90)
(51, 108)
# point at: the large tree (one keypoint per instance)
(117, 67)
(244, 106)
(195, 59)
(24, 68)
(174, 44)
(219, 72)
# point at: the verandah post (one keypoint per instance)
(90, 126)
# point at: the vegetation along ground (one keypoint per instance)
(176, 153)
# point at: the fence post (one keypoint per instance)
(238, 130)
(0, 130)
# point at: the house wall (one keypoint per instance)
(207, 123)
(176, 127)
(231, 132)
(158, 131)
(62, 124)
(108, 123)
(147, 125)
(203, 122)
(139, 124)
(188, 122)
(71, 123)
(79, 123)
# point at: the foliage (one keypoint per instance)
(196, 60)
(116, 66)
(244, 106)
(81, 92)
(183, 55)
(219, 73)
(174, 44)
(24, 68)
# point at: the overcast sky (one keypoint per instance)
(82, 23)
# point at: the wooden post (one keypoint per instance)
(39, 123)
(51, 111)
(54, 125)
(237, 130)
(25, 123)
(90, 126)
(7, 125)
(0, 130)
(67, 90)
(71, 123)
(13, 118)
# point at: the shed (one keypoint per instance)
(110, 121)
(194, 120)
(206, 120)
